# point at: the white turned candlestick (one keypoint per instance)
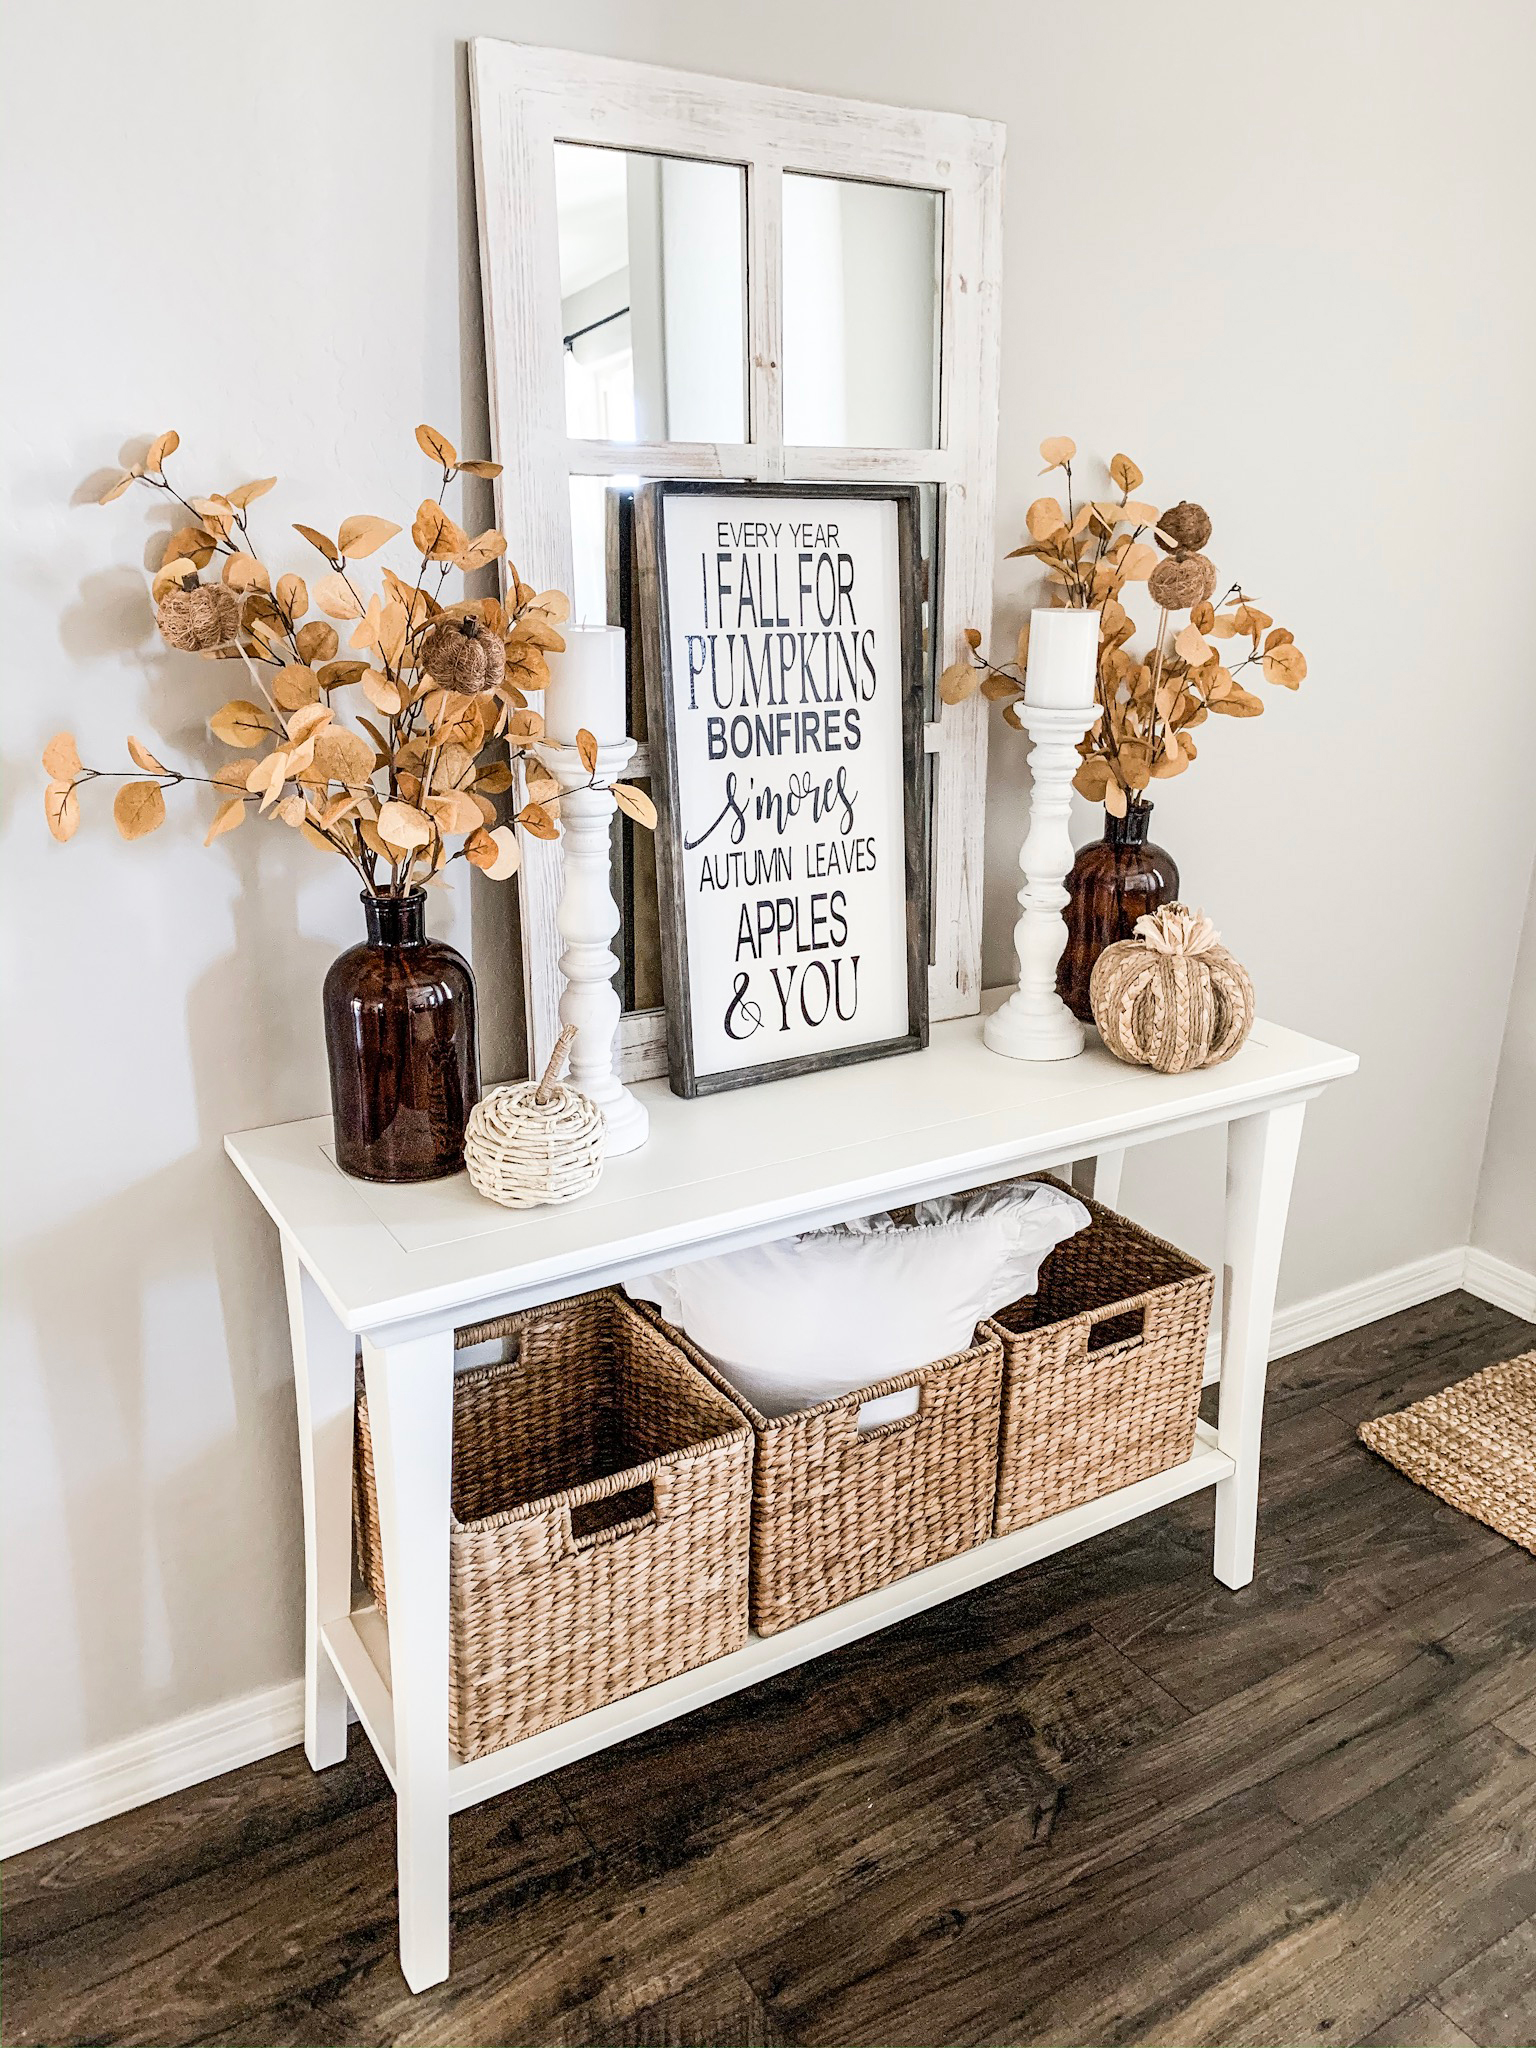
(1034, 1023)
(588, 918)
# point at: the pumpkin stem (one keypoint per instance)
(1177, 929)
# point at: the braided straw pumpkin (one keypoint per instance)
(535, 1141)
(200, 619)
(463, 654)
(1172, 997)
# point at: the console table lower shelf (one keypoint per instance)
(358, 1644)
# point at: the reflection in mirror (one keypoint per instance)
(861, 313)
(653, 277)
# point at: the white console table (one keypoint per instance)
(399, 1267)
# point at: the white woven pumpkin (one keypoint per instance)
(535, 1141)
(1172, 998)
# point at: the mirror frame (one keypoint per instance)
(523, 100)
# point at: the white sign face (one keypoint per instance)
(784, 699)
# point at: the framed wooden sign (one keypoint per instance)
(783, 679)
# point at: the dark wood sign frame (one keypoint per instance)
(655, 630)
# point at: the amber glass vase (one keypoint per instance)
(1114, 880)
(400, 1033)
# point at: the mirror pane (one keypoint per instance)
(862, 265)
(653, 280)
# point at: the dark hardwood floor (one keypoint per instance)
(1104, 1801)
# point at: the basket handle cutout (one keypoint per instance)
(1115, 1332)
(888, 1413)
(613, 1516)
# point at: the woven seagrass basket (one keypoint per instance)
(837, 1512)
(1102, 1368)
(602, 1493)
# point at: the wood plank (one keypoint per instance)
(1321, 1942)
(1494, 1995)
(927, 1955)
(1519, 1723)
(273, 1928)
(1354, 1540)
(1422, 2025)
(719, 2011)
(1459, 1682)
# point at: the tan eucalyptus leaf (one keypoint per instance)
(1124, 474)
(480, 849)
(508, 854)
(335, 675)
(295, 686)
(535, 818)
(1115, 800)
(162, 445)
(342, 756)
(246, 494)
(227, 818)
(293, 595)
(216, 513)
(404, 825)
(1058, 449)
(244, 572)
(336, 597)
(316, 642)
(61, 757)
(484, 548)
(1045, 518)
(495, 779)
(438, 446)
(634, 803)
(240, 723)
(1136, 565)
(292, 810)
(232, 774)
(193, 542)
(141, 757)
(586, 747)
(960, 680)
(336, 813)
(480, 468)
(1220, 628)
(319, 540)
(1191, 646)
(381, 692)
(454, 767)
(309, 720)
(534, 630)
(138, 808)
(1238, 703)
(439, 538)
(367, 633)
(999, 689)
(115, 489)
(1285, 664)
(541, 786)
(455, 811)
(554, 604)
(61, 807)
(363, 534)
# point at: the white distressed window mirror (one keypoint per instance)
(688, 276)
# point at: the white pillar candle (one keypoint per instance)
(587, 688)
(1063, 659)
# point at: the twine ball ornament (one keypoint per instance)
(534, 1142)
(1173, 997)
(1183, 580)
(464, 654)
(1184, 528)
(200, 619)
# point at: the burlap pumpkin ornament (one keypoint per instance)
(464, 654)
(199, 619)
(1172, 997)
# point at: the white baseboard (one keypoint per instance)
(1362, 1302)
(176, 1754)
(1496, 1281)
(163, 1759)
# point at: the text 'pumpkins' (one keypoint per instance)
(1172, 998)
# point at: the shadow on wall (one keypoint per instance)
(177, 1459)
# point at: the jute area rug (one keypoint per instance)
(1474, 1446)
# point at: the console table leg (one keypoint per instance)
(324, 1369)
(1261, 1159)
(410, 1417)
(1099, 1177)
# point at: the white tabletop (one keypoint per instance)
(740, 1167)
